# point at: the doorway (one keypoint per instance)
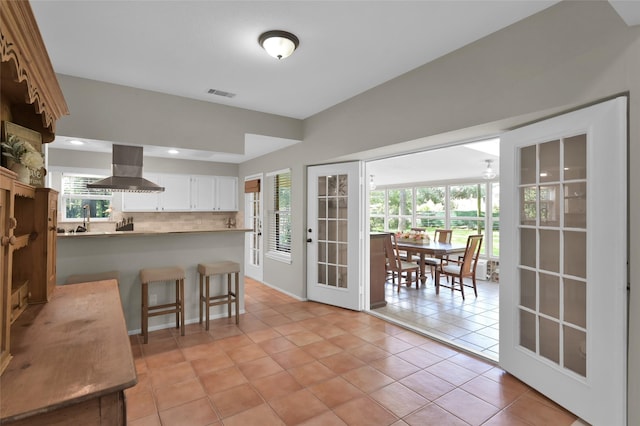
(445, 188)
(563, 296)
(253, 220)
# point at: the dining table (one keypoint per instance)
(430, 249)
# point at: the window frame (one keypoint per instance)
(488, 219)
(64, 197)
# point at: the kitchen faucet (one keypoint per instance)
(86, 216)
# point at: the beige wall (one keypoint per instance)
(122, 114)
(100, 160)
(569, 55)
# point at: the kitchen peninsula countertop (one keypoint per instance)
(139, 233)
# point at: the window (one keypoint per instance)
(462, 207)
(280, 216)
(400, 209)
(467, 207)
(75, 195)
(377, 210)
(430, 211)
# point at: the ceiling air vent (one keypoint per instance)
(221, 93)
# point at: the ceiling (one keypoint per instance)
(186, 47)
(466, 161)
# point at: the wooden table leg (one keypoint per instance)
(437, 278)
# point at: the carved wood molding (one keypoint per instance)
(22, 46)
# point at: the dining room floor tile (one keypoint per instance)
(302, 363)
(471, 324)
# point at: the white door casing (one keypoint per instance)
(254, 248)
(563, 259)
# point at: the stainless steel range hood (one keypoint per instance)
(126, 168)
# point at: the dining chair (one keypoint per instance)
(439, 236)
(397, 267)
(465, 267)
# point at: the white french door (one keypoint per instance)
(253, 220)
(335, 218)
(563, 259)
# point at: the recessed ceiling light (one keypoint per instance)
(173, 151)
(76, 142)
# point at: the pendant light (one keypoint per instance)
(489, 173)
(279, 44)
(372, 184)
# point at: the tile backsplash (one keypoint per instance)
(163, 221)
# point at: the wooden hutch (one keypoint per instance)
(30, 97)
(32, 390)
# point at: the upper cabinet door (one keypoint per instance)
(226, 194)
(202, 190)
(142, 201)
(177, 193)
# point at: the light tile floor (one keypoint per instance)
(304, 363)
(471, 324)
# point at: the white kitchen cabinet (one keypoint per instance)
(202, 193)
(226, 193)
(214, 193)
(176, 196)
(142, 201)
(185, 193)
(177, 193)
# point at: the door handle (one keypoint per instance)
(309, 240)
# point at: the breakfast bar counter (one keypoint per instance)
(130, 251)
(132, 233)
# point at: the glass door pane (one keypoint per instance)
(332, 224)
(552, 261)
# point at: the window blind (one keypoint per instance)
(279, 235)
(76, 185)
(252, 185)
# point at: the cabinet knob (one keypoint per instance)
(12, 223)
(8, 240)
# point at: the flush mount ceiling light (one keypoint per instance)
(279, 44)
(489, 173)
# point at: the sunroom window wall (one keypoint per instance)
(462, 207)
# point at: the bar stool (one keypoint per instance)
(230, 297)
(150, 275)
